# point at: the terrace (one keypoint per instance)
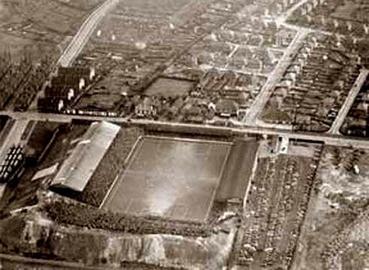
(356, 122)
(343, 17)
(275, 207)
(309, 97)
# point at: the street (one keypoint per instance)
(330, 139)
(84, 33)
(274, 78)
(345, 109)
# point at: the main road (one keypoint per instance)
(84, 33)
(78, 42)
(361, 79)
(275, 77)
(329, 139)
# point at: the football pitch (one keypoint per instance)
(171, 178)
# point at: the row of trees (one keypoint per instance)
(21, 80)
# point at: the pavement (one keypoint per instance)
(345, 109)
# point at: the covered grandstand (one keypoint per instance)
(78, 168)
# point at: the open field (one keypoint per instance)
(169, 87)
(334, 235)
(158, 179)
(40, 26)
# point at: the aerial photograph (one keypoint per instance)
(184, 134)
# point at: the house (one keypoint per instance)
(193, 112)
(88, 74)
(73, 82)
(75, 78)
(194, 115)
(145, 108)
(50, 104)
(65, 93)
(226, 108)
(76, 171)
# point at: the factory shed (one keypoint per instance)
(76, 171)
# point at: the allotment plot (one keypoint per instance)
(171, 178)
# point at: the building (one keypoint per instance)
(145, 108)
(284, 37)
(72, 82)
(88, 74)
(62, 92)
(12, 164)
(76, 171)
(50, 104)
(226, 108)
(65, 87)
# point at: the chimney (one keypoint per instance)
(92, 73)
(349, 26)
(60, 105)
(82, 83)
(366, 29)
(70, 94)
(335, 23)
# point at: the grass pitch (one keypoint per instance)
(171, 178)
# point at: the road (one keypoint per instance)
(345, 109)
(274, 78)
(277, 74)
(330, 139)
(283, 18)
(81, 38)
(78, 42)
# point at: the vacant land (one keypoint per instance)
(170, 178)
(334, 235)
(169, 87)
(40, 26)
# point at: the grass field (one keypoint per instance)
(170, 178)
(40, 26)
(169, 87)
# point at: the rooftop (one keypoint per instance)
(78, 168)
